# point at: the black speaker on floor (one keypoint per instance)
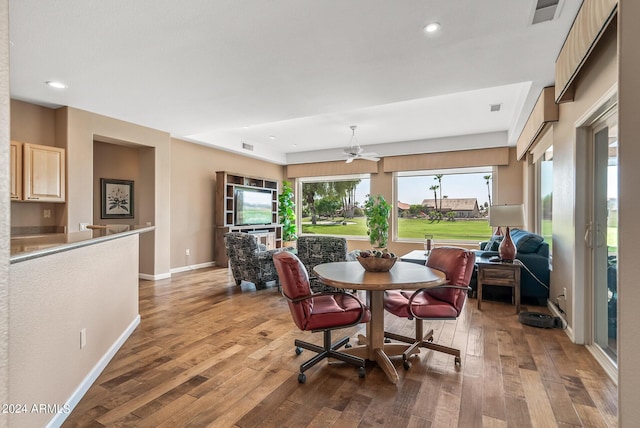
(537, 319)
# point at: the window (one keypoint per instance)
(451, 205)
(333, 205)
(545, 195)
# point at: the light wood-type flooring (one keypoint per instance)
(209, 353)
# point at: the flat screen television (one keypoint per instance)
(253, 206)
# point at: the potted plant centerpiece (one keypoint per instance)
(287, 214)
(377, 210)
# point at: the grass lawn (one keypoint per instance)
(470, 230)
(473, 230)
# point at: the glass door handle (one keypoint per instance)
(587, 236)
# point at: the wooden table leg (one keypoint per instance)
(374, 348)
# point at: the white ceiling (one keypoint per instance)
(224, 72)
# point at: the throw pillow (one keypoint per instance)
(529, 243)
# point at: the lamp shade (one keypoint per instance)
(506, 215)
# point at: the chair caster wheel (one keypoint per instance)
(361, 372)
(406, 365)
(387, 340)
(347, 346)
(302, 378)
(430, 339)
(298, 351)
(458, 361)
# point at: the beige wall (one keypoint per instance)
(120, 163)
(81, 129)
(193, 179)
(629, 268)
(508, 181)
(54, 297)
(4, 207)
(33, 124)
(597, 77)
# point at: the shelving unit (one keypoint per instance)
(225, 213)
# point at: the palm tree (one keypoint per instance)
(435, 195)
(488, 179)
(309, 193)
(439, 178)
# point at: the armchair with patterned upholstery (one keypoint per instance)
(249, 260)
(315, 250)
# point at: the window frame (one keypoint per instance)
(539, 205)
(446, 171)
(299, 182)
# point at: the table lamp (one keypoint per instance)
(506, 216)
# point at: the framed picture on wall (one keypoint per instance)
(117, 198)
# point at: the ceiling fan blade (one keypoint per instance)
(370, 158)
(349, 160)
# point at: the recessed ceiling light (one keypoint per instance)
(55, 84)
(272, 137)
(432, 28)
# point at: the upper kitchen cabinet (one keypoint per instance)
(43, 173)
(16, 170)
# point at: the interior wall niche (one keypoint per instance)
(127, 161)
(115, 162)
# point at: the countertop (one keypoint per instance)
(34, 246)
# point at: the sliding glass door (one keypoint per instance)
(604, 235)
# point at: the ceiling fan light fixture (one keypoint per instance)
(354, 151)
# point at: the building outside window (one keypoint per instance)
(450, 205)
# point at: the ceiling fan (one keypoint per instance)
(354, 151)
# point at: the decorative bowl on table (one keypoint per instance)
(376, 261)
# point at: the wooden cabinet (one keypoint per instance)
(43, 173)
(16, 170)
(227, 186)
(228, 205)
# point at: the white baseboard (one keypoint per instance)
(91, 377)
(556, 313)
(193, 267)
(154, 277)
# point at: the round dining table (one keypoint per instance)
(403, 275)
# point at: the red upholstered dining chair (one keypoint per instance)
(443, 302)
(325, 311)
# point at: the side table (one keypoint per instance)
(502, 274)
(415, 256)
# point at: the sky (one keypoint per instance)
(413, 190)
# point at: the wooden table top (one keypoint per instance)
(402, 275)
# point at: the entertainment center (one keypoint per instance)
(245, 204)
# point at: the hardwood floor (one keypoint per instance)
(208, 353)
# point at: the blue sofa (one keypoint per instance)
(533, 252)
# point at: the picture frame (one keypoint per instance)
(116, 198)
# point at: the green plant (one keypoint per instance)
(287, 212)
(377, 210)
